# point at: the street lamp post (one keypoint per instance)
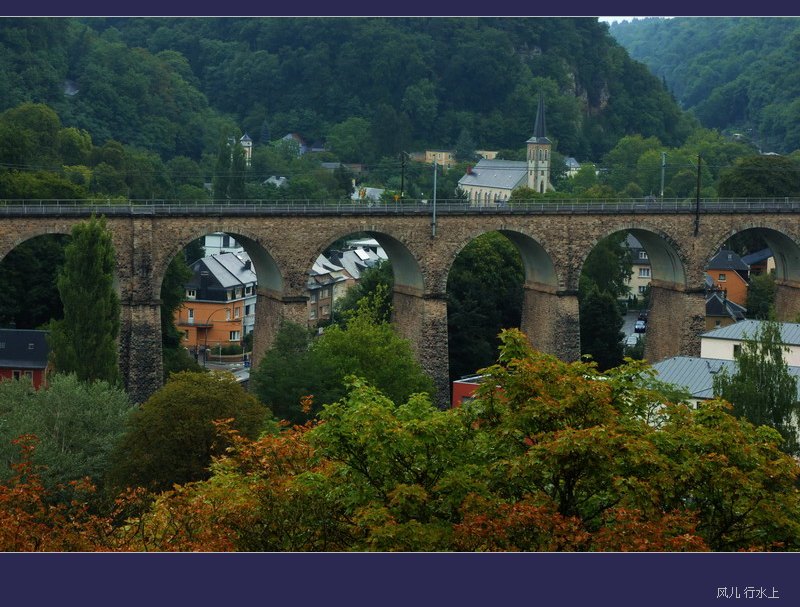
(208, 326)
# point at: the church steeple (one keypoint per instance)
(539, 154)
(539, 129)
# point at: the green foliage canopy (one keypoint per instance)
(84, 342)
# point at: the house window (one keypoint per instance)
(248, 290)
(227, 313)
(237, 311)
(313, 296)
(644, 272)
(717, 323)
(29, 375)
(642, 254)
(324, 310)
(235, 336)
(238, 293)
(312, 314)
(191, 314)
(326, 292)
(722, 277)
(248, 310)
(191, 293)
(737, 349)
(16, 374)
(642, 289)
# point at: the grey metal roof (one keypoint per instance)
(717, 305)
(746, 329)
(504, 174)
(696, 375)
(228, 269)
(757, 257)
(23, 349)
(727, 260)
(572, 163)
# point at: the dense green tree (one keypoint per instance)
(222, 171)
(465, 147)
(76, 423)
(172, 437)
(27, 275)
(549, 456)
(608, 267)
(761, 177)
(484, 296)
(761, 388)
(734, 74)
(173, 291)
(601, 328)
(238, 172)
(761, 296)
(621, 161)
(377, 280)
(84, 342)
(329, 358)
(349, 140)
(285, 374)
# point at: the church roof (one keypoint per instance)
(539, 129)
(502, 174)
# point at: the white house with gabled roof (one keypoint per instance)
(724, 343)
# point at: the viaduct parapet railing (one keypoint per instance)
(64, 208)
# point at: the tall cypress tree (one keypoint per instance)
(236, 190)
(601, 324)
(222, 171)
(85, 341)
(761, 389)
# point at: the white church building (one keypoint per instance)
(492, 181)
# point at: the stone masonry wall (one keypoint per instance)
(551, 322)
(423, 321)
(286, 247)
(675, 322)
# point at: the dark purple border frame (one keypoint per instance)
(410, 580)
(454, 8)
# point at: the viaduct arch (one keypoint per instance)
(553, 242)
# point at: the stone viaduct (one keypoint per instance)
(553, 239)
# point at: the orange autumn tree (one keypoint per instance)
(30, 522)
(550, 456)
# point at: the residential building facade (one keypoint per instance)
(219, 306)
(640, 268)
(726, 342)
(729, 274)
(24, 353)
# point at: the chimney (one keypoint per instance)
(247, 264)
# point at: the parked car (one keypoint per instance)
(640, 326)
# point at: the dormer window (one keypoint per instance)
(191, 293)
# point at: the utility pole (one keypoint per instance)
(663, 166)
(402, 173)
(697, 201)
(433, 219)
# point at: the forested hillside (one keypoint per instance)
(736, 74)
(172, 86)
